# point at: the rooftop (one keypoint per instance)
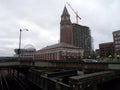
(59, 45)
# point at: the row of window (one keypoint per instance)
(117, 46)
(47, 56)
(117, 38)
(116, 34)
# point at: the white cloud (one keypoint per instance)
(42, 18)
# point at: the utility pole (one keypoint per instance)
(19, 50)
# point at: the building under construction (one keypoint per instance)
(82, 38)
(75, 34)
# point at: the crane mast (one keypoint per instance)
(77, 16)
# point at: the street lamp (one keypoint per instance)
(19, 50)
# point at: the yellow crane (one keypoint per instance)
(77, 16)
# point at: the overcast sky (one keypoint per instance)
(42, 18)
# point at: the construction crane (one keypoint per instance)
(77, 16)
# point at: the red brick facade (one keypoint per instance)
(65, 28)
(60, 51)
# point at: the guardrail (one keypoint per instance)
(60, 64)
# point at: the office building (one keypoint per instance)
(106, 49)
(82, 38)
(116, 40)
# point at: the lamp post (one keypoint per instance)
(19, 50)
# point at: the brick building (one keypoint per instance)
(82, 38)
(65, 27)
(106, 49)
(60, 51)
(116, 40)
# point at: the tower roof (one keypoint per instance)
(65, 11)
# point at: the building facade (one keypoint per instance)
(75, 34)
(116, 40)
(60, 51)
(106, 49)
(82, 38)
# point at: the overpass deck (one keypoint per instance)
(63, 64)
(87, 80)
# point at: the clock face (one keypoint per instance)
(67, 18)
(63, 18)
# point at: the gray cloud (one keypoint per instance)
(42, 18)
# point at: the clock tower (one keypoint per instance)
(65, 27)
